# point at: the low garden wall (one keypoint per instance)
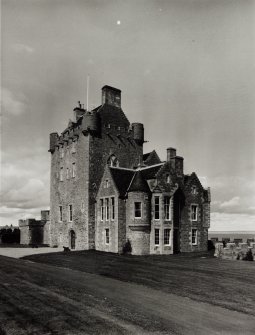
(233, 251)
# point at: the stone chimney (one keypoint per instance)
(176, 162)
(111, 96)
(171, 152)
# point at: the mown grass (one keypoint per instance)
(201, 277)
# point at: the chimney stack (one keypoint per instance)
(171, 152)
(111, 96)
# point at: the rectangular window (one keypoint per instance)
(107, 209)
(73, 150)
(194, 237)
(60, 213)
(70, 207)
(156, 208)
(73, 170)
(156, 236)
(194, 212)
(67, 173)
(61, 176)
(102, 209)
(107, 236)
(113, 208)
(138, 210)
(61, 152)
(167, 234)
(167, 208)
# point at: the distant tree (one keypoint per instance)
(210, 245)
(248, 256)
(16, 235)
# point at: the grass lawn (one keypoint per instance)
(201, 277)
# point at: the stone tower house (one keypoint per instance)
(105, 192)
(78, 158)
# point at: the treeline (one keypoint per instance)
(8, 235)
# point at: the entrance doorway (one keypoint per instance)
(72, 239)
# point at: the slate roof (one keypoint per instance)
(122, 179)
(151, 171)
(138, 183)
(151, 158)
(112, 115)
(127, 180)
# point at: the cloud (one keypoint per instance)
(11, 103)
(231, 203)
(24, 184)
(19, 47)
(232, 222)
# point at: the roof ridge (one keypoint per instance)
(121, 168)
(150, 166)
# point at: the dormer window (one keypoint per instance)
(113, 161)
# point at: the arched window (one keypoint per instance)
(113, 161)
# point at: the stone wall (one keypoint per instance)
(233, 251)
(32, 232)
(138, 229)
(93, 149)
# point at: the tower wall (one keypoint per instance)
(96, 136)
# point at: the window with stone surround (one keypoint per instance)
(107, 183)
(102, 209)
(60, 213)
(167, 208)
(156, 236)
(138, 209)
(112, 208)
(107, 209)
(156, 207)
(107, 236)
(73, 170)
(67, 173)
(61, 174)
(73, 149)
(167, 234)
(168, 178)
(70, 212)
(194, 212)
(194, 190)
(194, 237)
(61, 152)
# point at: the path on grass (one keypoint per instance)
(42, 299)
(22, 252)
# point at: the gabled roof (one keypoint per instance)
(138, 184)
(150, 172)
(151, 158)
(189, 178)
(122, 178)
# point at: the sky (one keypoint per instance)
(186, 70)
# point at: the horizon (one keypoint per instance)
(185, 69)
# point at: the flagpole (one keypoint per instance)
(87, 92)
